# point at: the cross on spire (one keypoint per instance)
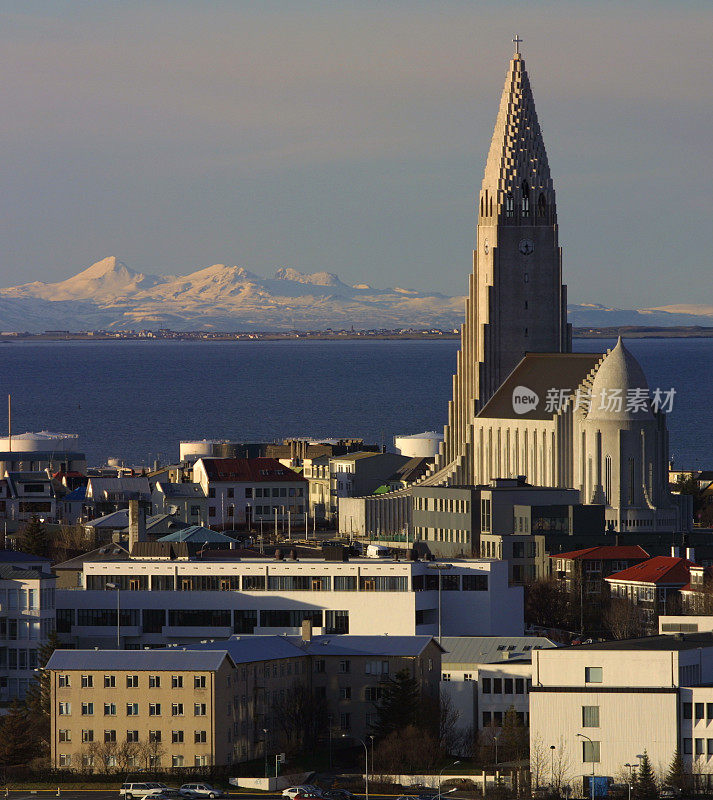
(517, 41)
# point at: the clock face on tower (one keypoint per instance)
(527, 247)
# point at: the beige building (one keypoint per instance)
(220, 702)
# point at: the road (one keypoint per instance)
(113, 794)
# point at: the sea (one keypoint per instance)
(135, 400)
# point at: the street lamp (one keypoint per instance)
(118, 612)
(366, 764)
(591, 743)
(495, 739)
(265, 731)
(630, 766)
(439, 568)
(371, 736)
(552, 754)
(440, 775)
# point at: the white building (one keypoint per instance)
(486, 676)
(242, 491)
(419, 445)
(600, 705)
(27, 618)
(165, 600)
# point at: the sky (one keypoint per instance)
(351, 137)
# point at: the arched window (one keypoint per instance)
(541, 205)
(525, 192)
(509, 205)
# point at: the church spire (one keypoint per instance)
(517, 187)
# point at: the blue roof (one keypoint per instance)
(14, 556)
(80, 493)
(365, 645)
(196, 534)
(244, 649)
(164, 659)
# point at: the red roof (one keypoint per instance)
(605, 553)
(660, 569)
(249, 470)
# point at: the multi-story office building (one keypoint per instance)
(220, 702)
(27, 618)
(166, 600)
(601, 705)
(243, 491)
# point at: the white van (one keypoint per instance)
(377, 551)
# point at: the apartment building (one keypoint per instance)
(356, 474)
(27, 619)
(245, 491)
(321, 503)
(187, 501)
(486, 676)
(219, 703)
(602, 704)
(29, 495)
(185, 599)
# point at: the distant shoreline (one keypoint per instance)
(627, 332)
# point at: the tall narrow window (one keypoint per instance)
(541, 205)
(509, 205)
(525, 192)
(607, 479)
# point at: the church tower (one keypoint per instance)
(516, 300)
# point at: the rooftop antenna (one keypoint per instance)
(9, 422)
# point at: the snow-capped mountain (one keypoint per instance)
(110, 295)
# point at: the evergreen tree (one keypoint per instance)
(645, 787)
(38, 698)
(514, 737)
(677, 777)
(399, 705)
(34, 539)
(17, 740)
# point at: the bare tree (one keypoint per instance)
(538, 761)
(409, 749)
(300, 719)
(561, 767)
(623, 619)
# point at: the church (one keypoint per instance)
(524, 405)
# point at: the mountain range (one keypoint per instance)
(108, 295)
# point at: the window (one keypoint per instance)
(345, 692)
(65, 709)
(63, 681)
(65, 735)
(487, 718)
(372, 693)
(199, 737)
(154, 736)
(688, 710)
(710, 747)
(590, 751)
(109, 681)
(199, 709)
(345, 666)
(687, 747)
(154, 709)
(376, 668)
(519, 686)
(497, 685)
(199, 681)
(132, 709)
(87, 735)
(65, 759)
(699, 747)
(475, 583)
(508, 686)
(132, 681)
(176, 761)
(345, 721)
(177, 737)
(590, 716)
(132, 736)
(176, 681)
(593, 675)
(446, 676)
(87, 709)
(87, 681)
(109, 709)
(177, 710)
(110, 736)
(154, 681)
(485, 685)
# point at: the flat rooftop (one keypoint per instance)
(662, 642)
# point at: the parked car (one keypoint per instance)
(171, 793)
(131, 790)
(339, 794)
(293, 791)
(669, 793)
(203, 790)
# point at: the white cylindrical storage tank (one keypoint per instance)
(41, 441)
(192, 451)
(419, 445)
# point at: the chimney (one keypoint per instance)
(137, 522)
(306, 630)
(691, 553)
